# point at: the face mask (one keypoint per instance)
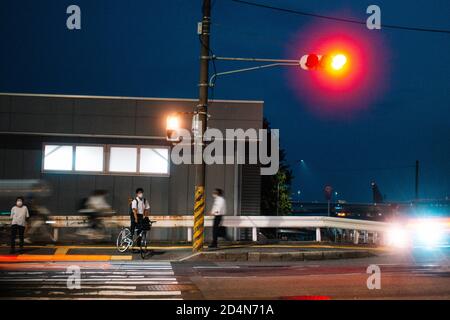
(140, 195)
(19, 203)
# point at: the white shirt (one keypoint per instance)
(219, 207)
(19, 215)
(139, 205)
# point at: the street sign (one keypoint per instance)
(328, 191)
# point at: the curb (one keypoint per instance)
(280, 256)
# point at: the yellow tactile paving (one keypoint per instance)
(62, 250)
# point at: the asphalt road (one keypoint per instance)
(424, 275)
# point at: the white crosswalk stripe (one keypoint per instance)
(119, 280)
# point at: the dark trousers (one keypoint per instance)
(135, 224)
(218, 231)
(14, 230)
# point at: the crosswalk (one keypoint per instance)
(116, 280)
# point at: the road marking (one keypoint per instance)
(61, 251)
(121, 281)
(216, 267)
(90, 298)
(91, 287)
(82, 279)
(121, 293)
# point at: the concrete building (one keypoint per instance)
(82, 143)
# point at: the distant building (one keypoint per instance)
(118, 144)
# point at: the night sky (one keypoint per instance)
(150, 49)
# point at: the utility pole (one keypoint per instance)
(417, 180)
(199, 127)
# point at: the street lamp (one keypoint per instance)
(172, 128)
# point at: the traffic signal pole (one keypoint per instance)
(199, 127)
(199, 123)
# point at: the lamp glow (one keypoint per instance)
(338, 62)
(173, 123)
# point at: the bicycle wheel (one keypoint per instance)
(123, 240)
(143, 245)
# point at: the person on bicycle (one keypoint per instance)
(140, 208)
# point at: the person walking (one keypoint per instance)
(19, 214)
(218, 210)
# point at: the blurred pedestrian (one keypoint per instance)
(97, 205)
(218, 210)
(19, 214)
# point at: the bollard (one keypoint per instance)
(366, 237)
(55, 234)
(356, 237)
(255, 234)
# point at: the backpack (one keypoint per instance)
(130, 204)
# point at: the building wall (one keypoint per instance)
(27, 121)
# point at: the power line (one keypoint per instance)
(346, 20)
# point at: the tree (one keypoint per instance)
(276, 189)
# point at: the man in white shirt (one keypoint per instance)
(140, 208)
(19, 214)
(218, 210)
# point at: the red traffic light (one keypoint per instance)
(310, 61)
(334, 62)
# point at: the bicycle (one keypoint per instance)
(125, 241)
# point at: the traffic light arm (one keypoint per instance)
(306, 62)
(255, 60)
(275, 63)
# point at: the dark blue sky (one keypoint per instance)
(150, 48)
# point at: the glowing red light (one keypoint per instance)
(353, 69)
(312, 61)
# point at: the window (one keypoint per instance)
(123, 159)
(89, 158)
(58, 158)
(154, 160)
(106, 159)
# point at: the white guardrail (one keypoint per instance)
(253, 222)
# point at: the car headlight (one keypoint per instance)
(429, 233)
(398, 237)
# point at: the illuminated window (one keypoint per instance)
(106, 159)
(154, 160)
(123, 159)
(89, 158)
(58, 158)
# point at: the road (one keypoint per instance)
(424, 275)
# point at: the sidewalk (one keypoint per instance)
(248, 252)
